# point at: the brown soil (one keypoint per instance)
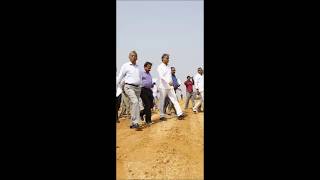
(171, 149)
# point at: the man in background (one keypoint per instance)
(155, 93)
(198, 83)
(176, 85)
(189, 92)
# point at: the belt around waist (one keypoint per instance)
(146, 88)
(132, 85)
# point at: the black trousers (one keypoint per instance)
(118, 103)
(147, 99)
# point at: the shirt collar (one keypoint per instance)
(164, 64)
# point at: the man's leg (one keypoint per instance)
(195, 108)
(133, 94)
(163, 94)
(202, 97)
(186, 104)
(171, 106)
(147, 104)
(127, 104)
(173, 99)
(118, 102)
(141, 107)
(166, 104)
(198, 104)
(192, 98)
(122, 105)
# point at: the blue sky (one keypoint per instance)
(156, 27)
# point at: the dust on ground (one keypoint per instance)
(171, 149)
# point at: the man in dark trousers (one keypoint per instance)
(146, 93)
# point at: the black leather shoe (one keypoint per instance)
(133, 126)
(163, 119)
(136, 126)
(181, 116)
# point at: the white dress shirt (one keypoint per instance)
(130, 73)
(198, 82)
(164, 73)
(155, 91)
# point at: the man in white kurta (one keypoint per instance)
(199, 86)
(166, 88)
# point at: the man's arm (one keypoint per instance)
(141, 71)
(121, 74)
(179, 82)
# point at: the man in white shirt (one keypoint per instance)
(166, 88)
(155, 92)
(198, 84)
(132, 76)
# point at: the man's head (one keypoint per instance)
(188, 77)
(147, 66)
(173, 70)
(200, 71)
(165, 59)
(133, 57)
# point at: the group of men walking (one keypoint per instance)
(136, 84)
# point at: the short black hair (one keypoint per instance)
(163, 55)
(147, 63)
(188, 77)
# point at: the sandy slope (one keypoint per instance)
(171, 149)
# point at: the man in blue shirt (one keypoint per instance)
(146, 93)
(176, 85)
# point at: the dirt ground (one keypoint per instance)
(171, 149)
